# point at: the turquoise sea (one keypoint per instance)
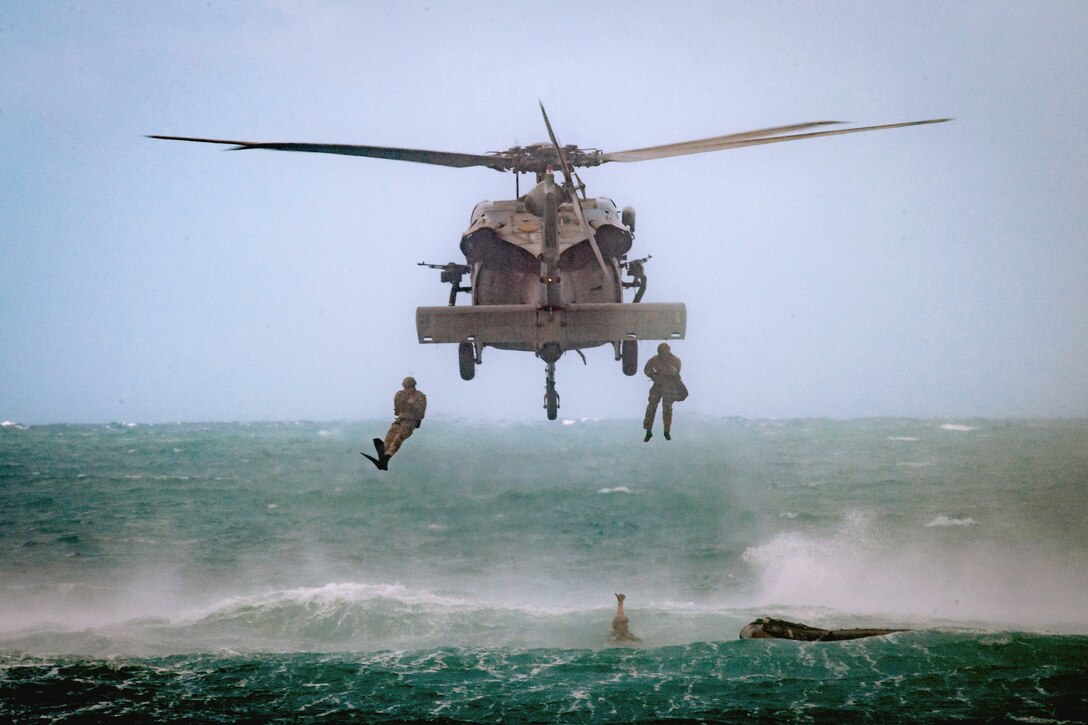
(266, 572)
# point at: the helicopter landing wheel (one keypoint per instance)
(551, 402)
(466, 357)
(629, 356)
(551, 396)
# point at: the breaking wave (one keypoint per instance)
(945, 521)
(973, 582)
(345, 616)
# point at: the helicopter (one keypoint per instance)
(546, 268)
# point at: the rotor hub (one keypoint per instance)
(538, 158)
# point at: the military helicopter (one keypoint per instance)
(546, 268)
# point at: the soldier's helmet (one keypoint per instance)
(663, 347)
(409, 382)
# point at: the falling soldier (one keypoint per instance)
(664, 369)
(409, 405)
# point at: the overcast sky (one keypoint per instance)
(936, 271)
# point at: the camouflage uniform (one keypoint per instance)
(664, 369)
(409, 405)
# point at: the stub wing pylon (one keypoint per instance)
(527, 327)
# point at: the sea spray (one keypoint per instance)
(260, 571)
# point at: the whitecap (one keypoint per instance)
(902, 438)
(616, 489)
(957, 426)
(945, 521)
(328, 595)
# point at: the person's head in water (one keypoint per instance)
(663, 348)
(409, 383)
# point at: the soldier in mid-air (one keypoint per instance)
(410, 406)
(664, 369)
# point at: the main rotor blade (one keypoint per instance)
(576, 205)
(750, 138)
(555, 142)
(439, 158)
(568, 171)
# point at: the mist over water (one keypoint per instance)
(234, 542)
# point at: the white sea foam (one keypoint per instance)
(328, 595)
(957, 427)
(902, 438)
(614, 489)
(945, 521)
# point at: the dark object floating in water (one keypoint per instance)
(768, 628)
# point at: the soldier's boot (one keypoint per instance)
(649, 435)
(667, 436)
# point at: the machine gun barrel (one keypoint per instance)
(449, 266)
(634, 268)
(451, 274)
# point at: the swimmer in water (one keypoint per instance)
(621, 631)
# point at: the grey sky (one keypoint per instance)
(931, 271)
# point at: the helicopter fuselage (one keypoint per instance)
(546, 279)
(506, 247)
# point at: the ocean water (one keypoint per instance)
(267, 572)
